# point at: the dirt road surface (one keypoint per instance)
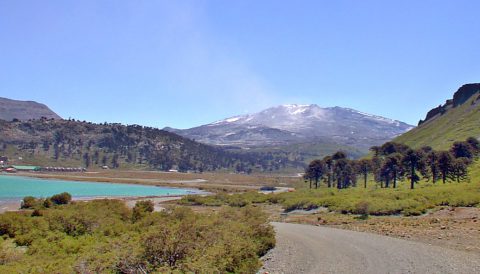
(316, 249)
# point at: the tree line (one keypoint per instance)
(116, 145)
(393, 162)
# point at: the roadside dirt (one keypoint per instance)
(453, 228)
(319, 249)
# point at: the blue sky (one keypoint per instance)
(185, 63)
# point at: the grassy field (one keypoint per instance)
(218, 181)
(370, 201)
(457, 124)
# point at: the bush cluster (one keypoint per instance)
(372, 200)
(103, 236)
(30, 202)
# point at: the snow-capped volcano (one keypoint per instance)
(293, 123)
(281, 117)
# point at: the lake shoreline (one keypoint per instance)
(13, 203)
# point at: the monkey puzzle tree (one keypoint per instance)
(328, 169)
(413, 161)
(315, 171)
(445, 164)
(432, 170)
(474, 144)
(344, 172)
(391, 170)
(364, 166)
(462, 150)
(459, 170)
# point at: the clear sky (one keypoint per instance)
(185, 63)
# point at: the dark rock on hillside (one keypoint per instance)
(24, 110)
(462, 95)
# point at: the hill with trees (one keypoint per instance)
(49, 142)
(456, 120)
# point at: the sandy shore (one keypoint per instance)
(10, 205)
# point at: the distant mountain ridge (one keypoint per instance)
(294, 123)
(24, 110)
(456, 120)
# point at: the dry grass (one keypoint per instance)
(208, 181)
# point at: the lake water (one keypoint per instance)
(16, 187)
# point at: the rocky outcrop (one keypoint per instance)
(463, 94)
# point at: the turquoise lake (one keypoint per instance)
(15, 187)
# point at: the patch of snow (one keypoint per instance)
(231, 120)
(294, 106)
(375, 117)
(228, 120)
(300, 110)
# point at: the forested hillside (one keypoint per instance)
(74, 143)
(456, 120)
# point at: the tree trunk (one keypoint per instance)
(365, 178)
(412, 178)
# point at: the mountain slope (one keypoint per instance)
(24, 110)
(295, 124)
(456, 120)
(74, 143)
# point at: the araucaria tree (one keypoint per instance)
(445, 165)
(315, 172)
(460, 169)
(431, 163)
(413, 161)
(364, 166)
(391, 169)
(392, 162)
(344, 171)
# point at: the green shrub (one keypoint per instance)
(61, 199)
(362, 208)
(37, 213)
(28, 202)
(100, 237)
(141, 209)
(47, 203)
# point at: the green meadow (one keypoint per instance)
(358, 200)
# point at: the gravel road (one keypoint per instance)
(313, 249)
